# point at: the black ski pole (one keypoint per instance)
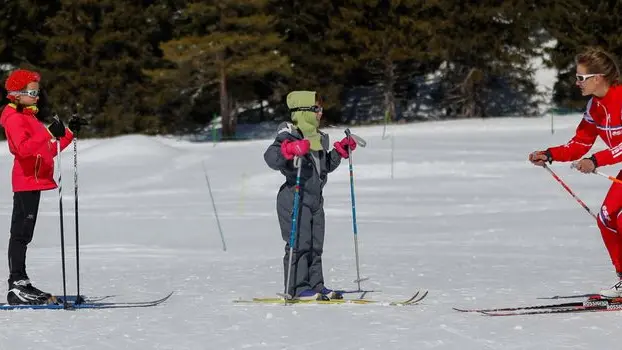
(62, 226)
(80, 122)
(75, 191)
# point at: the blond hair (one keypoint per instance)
(599, 61)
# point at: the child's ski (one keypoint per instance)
(415, 299)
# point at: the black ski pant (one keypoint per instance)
(306, 268)
(25, 210)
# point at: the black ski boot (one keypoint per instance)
(22, 292)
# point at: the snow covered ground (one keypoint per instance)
(465, 216)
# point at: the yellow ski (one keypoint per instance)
(416, 298)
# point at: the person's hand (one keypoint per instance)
(585, 165)
(57, 128)
(540, 157)
(291, 149)
(76, 122)
(343, 146)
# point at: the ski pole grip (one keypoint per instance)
(347, 131)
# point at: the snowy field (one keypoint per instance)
(464, 216)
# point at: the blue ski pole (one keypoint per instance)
(354, 227)
(292, 234)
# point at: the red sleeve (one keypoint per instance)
(579, 145)
(21, 144)
(609, 156)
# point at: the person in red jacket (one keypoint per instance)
(598, 75)
(34, 147)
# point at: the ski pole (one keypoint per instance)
(62, 226)
(75, 193)
(80, 121)
(354, 227)
(618, 181)
(569, 191)
(293, 232)
(209, 188)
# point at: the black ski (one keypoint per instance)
(592, 304)
(71, 305)
(518, 308)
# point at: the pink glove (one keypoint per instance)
(291, 149)
(343, 145)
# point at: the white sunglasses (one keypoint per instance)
(30, 93)
(583, 77)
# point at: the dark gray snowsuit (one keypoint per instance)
(307, 253)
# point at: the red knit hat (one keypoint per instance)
(19, 79)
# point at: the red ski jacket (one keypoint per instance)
(33, 147)
(603, 117)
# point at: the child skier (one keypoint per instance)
(34, 147)
(302, 139)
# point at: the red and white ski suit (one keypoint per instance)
(603, 117)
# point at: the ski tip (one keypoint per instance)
(414, 299)
(489, 313)
(421, 297)
(574, 296)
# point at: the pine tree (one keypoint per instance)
(95, 55)
(317, 57)
(486, 46)
(380, 36)
(575, 25)
(21, 29)
(231, 44)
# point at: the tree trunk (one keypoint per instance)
(233, 116)
(468, 89)
(389, 86)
